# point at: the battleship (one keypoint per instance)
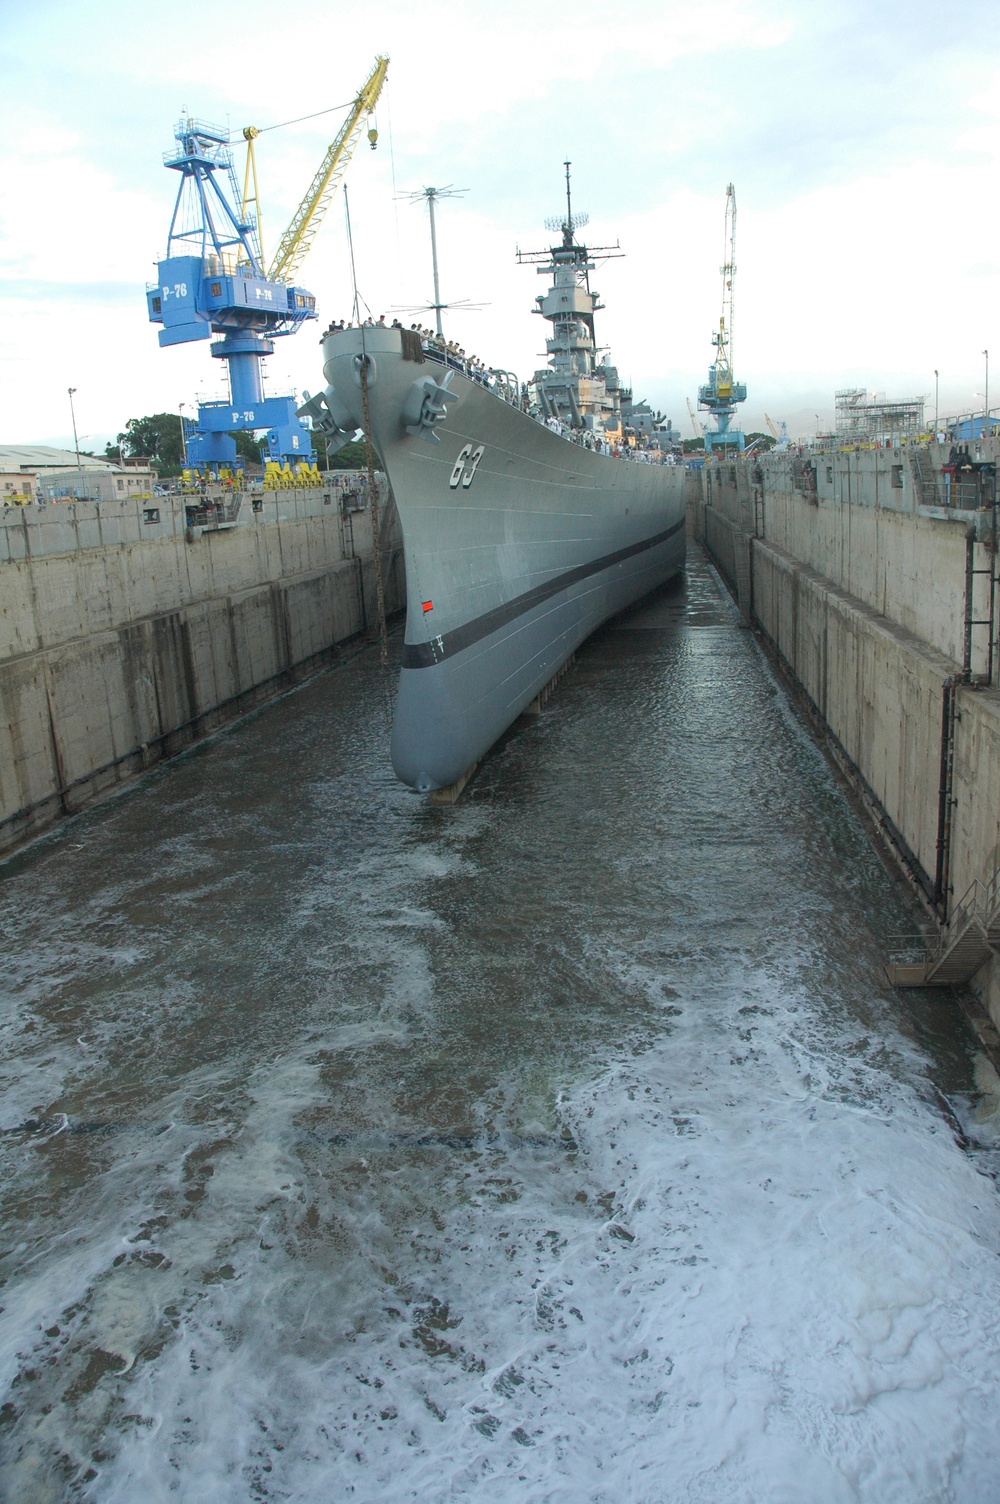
(529, 514)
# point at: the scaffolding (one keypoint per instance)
(867, 417)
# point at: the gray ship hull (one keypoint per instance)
(517, 545)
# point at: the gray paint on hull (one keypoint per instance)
(539, 510)
(426, 654)
(449, 715)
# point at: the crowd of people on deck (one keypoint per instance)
(437, 347)
(447, 351)
(432, 343)
(630, 446)
(503, 384)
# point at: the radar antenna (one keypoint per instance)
(572, 221)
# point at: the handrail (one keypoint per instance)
(504, 385)
(907, 948)
(979, 903)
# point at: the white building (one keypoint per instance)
(96, 485)
(39, 472)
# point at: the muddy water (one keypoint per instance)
(566, 1145)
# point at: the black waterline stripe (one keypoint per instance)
(426, 654)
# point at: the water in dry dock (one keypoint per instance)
(566, 1145)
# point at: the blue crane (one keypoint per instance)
(213, 281)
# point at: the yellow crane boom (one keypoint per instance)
(309, 215)
(251, 193)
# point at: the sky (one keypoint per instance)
(863, 141)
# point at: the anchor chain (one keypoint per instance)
(376, 518)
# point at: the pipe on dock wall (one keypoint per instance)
(946, 798)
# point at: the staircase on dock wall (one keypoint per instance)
(964, 945)
(925, 480)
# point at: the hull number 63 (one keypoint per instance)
(467, 456)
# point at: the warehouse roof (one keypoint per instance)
(44, 457)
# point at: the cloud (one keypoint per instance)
(32, 291)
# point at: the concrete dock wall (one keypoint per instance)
(123, 640)
(864, 609)
(907, 565)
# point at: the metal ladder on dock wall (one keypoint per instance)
(971, 936)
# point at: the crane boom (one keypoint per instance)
(309, 215)
(724, 341)
(722, 391)
(695, 424)
(251, 193)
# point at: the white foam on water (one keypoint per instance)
(743, 1264)
(456, 1198)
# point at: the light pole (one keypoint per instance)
(936, 387)
(184, 452)
(986, 394)
(76, 445)
(72, 413)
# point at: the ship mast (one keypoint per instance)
(569, 226)
(431, 196)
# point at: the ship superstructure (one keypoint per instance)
(577, 388)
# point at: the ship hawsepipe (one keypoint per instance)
(517, 543)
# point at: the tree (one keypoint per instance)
(351, 457)
(157, 437)
(247, 445)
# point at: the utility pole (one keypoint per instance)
(184, 452)
(986, 394)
